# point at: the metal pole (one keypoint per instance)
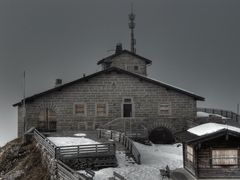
(238, 109)
(24, 101)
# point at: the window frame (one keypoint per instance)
(190, 155)
(136, 68)
(133, 106)
(96, 110)
(214, 160)
(80, 114)
(160, 111)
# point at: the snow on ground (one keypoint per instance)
(153, 158)
(71, 141)
(204, 114)
(80, 135)
(209, 128)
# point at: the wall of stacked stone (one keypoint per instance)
(128, 62)
(110, 88)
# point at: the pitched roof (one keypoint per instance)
(207, 131)
(141, 77)
(209, 128)
(122, 52)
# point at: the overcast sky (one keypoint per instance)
(194, 44)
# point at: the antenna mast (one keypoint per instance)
(132, 26)
(24, 101)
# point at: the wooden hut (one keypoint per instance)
(212, 150)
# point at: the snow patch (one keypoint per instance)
(153, 158)
(80, 135)
(204, 114)
(71, 141)
(209, 128)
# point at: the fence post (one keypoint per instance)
(56, 153)
(139, 159)
(109, 147)
(119, 138)
(99, 133)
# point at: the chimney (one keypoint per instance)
(58, 82)
(118, 48)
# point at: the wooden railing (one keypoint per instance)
(122, 139)
(47, 144)
(61, 152)
(123, 124)
(225, 113)
(66, 173)
(63, 171)
(89, 150)
(117, 176)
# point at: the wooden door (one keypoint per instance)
(47, 120)
(127, 110)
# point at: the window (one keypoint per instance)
(224, 157)
(136, 68)
(165, 109)
(127, 100)
(190, 153)
(101, 109)
(80, 109)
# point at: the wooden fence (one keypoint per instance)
(61, 152)
(66, 173)
(89, 150)
(228, 114)
(45, 143)
(117, 176)
(122, 139)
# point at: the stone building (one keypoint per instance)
(120, 92)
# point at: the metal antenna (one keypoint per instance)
(132, 26)
(238, 108)
(24, 101)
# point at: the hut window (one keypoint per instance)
(136, 68)
(190, 153)
(101, 109)
(80, 109)
(224, 157)
(165, 109)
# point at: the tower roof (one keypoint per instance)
(106, 59)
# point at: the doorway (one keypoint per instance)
(127, 107)
(47, 120)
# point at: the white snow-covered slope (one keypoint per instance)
(153, 158)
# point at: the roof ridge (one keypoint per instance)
(108, 70)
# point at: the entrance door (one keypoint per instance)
(47, 120)
(127, 110)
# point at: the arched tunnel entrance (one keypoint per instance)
(161, 135)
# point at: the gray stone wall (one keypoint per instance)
(20, 121)
(110, 88)
(127, 62)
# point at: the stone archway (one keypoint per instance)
(47, 118)
(161, 135)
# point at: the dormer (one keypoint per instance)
(126, 60)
